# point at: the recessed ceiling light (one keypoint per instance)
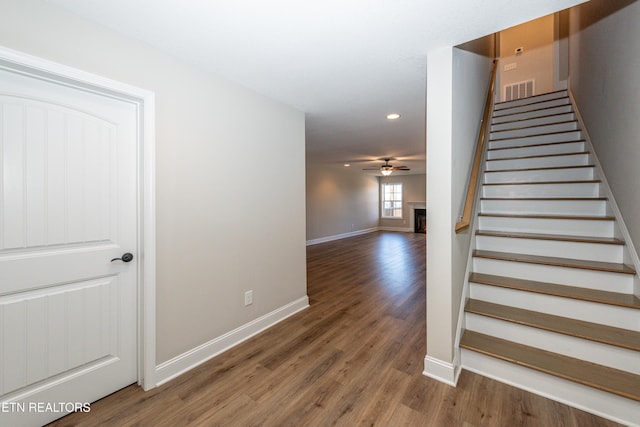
(346, 165)
(393, 116)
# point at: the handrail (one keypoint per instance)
(464, 222)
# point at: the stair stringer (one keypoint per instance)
(630, 253)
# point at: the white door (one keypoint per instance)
(68, 196)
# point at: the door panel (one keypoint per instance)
(68, 197)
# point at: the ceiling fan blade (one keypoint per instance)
(401, 168)
(371, 169)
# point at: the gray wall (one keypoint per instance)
(340, 201)
(604, 76)
(225, 223)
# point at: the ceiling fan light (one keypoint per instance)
(386, 172)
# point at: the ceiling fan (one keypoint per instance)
(387, 168)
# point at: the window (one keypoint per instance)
(391, 200)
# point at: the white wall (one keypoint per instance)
(340, 201)
(457, 83)
(537, 60)
(414, 189)
(604, 77)
(225, 222)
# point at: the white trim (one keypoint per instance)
(442, 371)
(145, 101)
(341, 236)
(622, 227)
(172, 368)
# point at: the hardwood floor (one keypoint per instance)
(355, 357)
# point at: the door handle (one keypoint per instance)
(127, 257)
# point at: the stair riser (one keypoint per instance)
(542, 190)
(532, 114)
(583, 349)
(546, 207)
(619, 317)
(552, 248)
(544, 120)
(548, 226)
(545, 175)
(531, 99)
(539, 162)
(597, 402)
(537, 150)
(593, 279)
(536, 130)
(545, 104)
(536, 139)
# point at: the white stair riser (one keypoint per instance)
(536, 139)
(544, 120)
(548, 226)
(537, 150)
(541, 175)
(593, 279)
(545, 104)
(533, 114)
(611, 315)
(546, 207)
(607, 405)
(553, 248)
(539, 162)
(531, 99)
(590, 189)
(535, 130)
(590, 351)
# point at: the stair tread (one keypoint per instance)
(584, 181)
(535, 96)
(536, 126)
(615, 381)
(543, 198)
(534, 118)
(541, 169)
(535, 110)
(618, 337)
(536, 145)
(577, 153)
(559, 237)
(556, 261)
(534, 102)
(563, 291)
(534, 135)
(542, 216)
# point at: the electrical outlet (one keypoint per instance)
(248, 298)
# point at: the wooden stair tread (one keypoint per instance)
(611, 380)
(536, 145)
(498, 104)
(618, 337)
(577, 153)
(536, 96)
(532, 118)
(563, 291)
(542, 216)
(541, 169)
(533, 110)
(556, 261)
(534, 135)
(584, 181)
(536, 126)
(558, 237)
(544, 198)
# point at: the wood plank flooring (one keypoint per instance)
(354, 358)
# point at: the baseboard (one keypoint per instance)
(400, 229)
(600, 403)
(170, 369)
(442, 371)
(341, 236)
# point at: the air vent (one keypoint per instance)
(519, 90)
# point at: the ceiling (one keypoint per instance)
(345, 63)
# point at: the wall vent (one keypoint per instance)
(519, 90)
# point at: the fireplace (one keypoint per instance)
(420, 221)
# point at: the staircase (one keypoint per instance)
(551, 306)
